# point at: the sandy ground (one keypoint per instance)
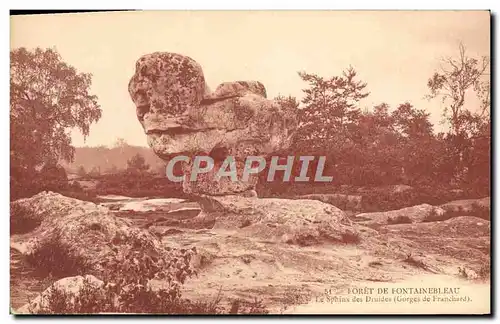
(291, 279)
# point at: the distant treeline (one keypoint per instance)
(364, 148)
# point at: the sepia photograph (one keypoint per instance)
(278, 162)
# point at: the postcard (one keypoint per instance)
(250, 162)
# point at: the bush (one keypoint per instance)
(86, 195)
(383, 200)
(351, 238)
(435, 217)
(138, 185)
(399, 220)
(414, 262)
(128, 276)
(21, 219)
(476, 210)
(481, 211)
(485, 270)
(462, 273)
(108, 298)
(54, 259)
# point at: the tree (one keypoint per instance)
(53, 177)
(417, 146)
(330, 108)
(452, 82)
(54, 172)
(113, 169)
(372, 158)
(290, 105)
(137, 164)
(95, 172)
(120, 142)
(412, 123)
(469, 135)
(81, 171)
(48, 98)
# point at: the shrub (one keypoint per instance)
(433, 216)
(383, 200)
(399, 220)
(86, 195)
(351, 238)
(462, 273)
(414, 262)
(480, 211)
(138, 185)
(128, 278)
(22, 220)
(485, 270)
(254, 307)
(476, 210)
(54, 259)
(108, 298)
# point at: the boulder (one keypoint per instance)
(85, 230)
(180, 116)
(69, 286)
(415, 214)
(302, 221)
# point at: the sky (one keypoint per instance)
(394, 52)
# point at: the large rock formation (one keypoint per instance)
(85, 231)
(302, 222)
(182, 117)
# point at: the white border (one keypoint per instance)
(181, 5)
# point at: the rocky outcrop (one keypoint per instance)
(208, 184)
(342, 201)
(465, 238)
(415, 214)
(181, 116)
(86, 231)
(302, 222)
(70, 286)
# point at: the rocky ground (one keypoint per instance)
(268, 256)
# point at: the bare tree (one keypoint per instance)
(455, 78)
